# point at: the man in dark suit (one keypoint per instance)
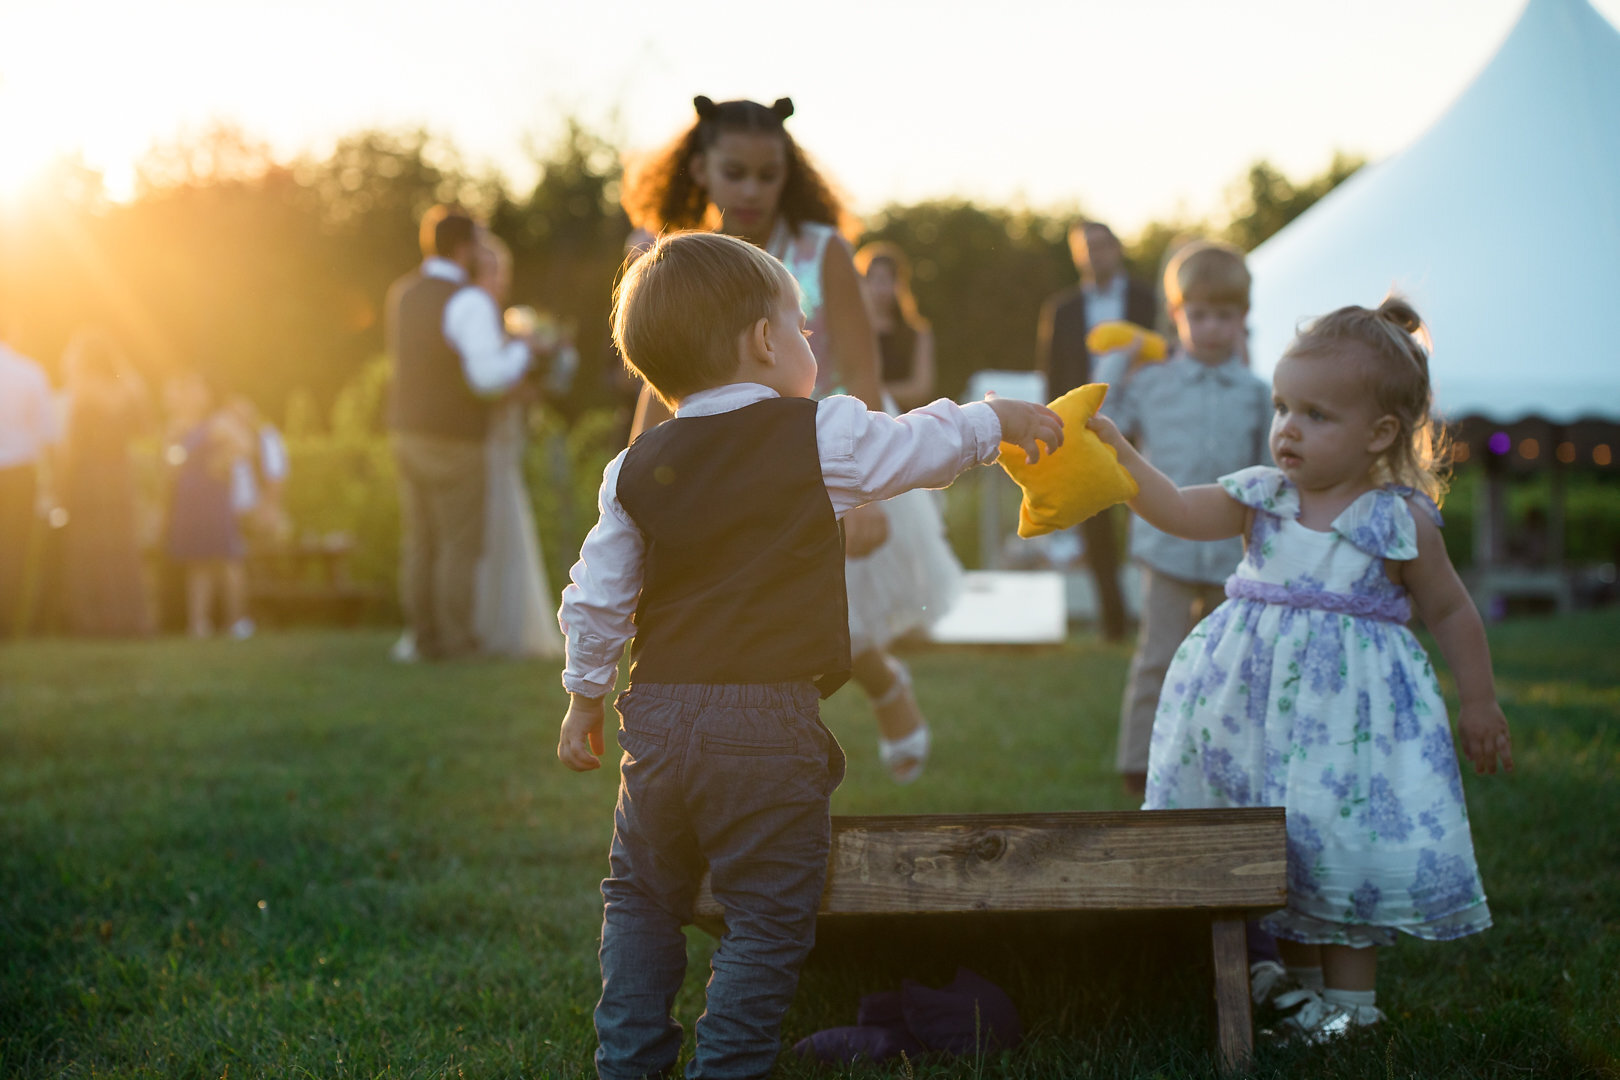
(1105, 294)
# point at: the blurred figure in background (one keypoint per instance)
(207, 443)
(1105, 294)
(905, 339)
(452, 359)
(29, 427)
(512, 610)
(108, 409)
(259, 479)
(736, 169)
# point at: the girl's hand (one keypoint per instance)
(1106, 430)
(579, 744)
(1483, 731)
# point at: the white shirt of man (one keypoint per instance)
(28, 416)
(491, 361)
(865, 457)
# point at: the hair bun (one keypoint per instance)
(782, 107)
(1402, 314)
(706, 108)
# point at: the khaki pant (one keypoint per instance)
(441, 495)
(1171, 608)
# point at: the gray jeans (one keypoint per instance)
(736, 778)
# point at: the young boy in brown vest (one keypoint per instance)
(718, 549)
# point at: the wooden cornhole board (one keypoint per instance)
(1228, 864)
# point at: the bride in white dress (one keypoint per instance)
(513, 612)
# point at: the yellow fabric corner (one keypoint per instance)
(1081, 478)
(1109, 336)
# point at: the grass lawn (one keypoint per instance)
(291, 858)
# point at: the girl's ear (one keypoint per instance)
(1383, 434)
(694, 168)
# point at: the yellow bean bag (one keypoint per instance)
(1111, 336)
(1081, 478)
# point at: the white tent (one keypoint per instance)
(1501, 224)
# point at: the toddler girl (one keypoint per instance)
(1306, 690)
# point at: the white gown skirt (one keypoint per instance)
(909, 582)
(513, 610)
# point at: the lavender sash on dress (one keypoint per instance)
(1395, 609)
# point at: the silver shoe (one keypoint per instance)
(1316, 1020)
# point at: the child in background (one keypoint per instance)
(1306, 690)
(719, 549)
(210, 441)
(1199, 415)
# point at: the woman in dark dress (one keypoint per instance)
(104, 589)
(905, 339)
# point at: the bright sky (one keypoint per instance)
(1133, 108)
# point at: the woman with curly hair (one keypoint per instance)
(738, 170)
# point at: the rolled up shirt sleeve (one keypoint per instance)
(870, 456)
(492, 362)
(598, 610)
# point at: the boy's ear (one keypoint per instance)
(1383, 434)
(757, 344)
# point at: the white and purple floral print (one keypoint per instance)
(1306, 690)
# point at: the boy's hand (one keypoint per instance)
(1483, 731)
(579, 744)
(1025, 424)
(1106, 431)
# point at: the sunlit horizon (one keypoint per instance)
(1132, 112)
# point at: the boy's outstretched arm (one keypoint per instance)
(579, 743)
(1202, 512)
(1451, 617)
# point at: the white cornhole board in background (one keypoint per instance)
(1018, 385)
(1006, 607)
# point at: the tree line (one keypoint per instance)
(269, 274)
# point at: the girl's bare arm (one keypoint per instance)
(1202, 512)
(1451, 617)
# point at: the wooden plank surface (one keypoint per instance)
(1119, 861)
(1234, 1024)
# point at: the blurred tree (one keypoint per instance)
(567, 239)
(1265, 200)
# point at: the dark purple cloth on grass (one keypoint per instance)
(969, 1015)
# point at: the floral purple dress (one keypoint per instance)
(1306, 690)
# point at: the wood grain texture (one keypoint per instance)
(1118, 861)
(1234, 1025)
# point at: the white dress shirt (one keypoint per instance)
(865, 457)
(492, 362)
(1106, 305)
(28, 416)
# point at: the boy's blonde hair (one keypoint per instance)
(1390, 344)
(679, 309)
(1208, 272)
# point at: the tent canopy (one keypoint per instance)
(1501, 224)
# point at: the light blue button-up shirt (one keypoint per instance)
(1195, 422)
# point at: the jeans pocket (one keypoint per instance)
(723, 747)
(636, 736)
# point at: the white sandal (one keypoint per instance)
(904, 757)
